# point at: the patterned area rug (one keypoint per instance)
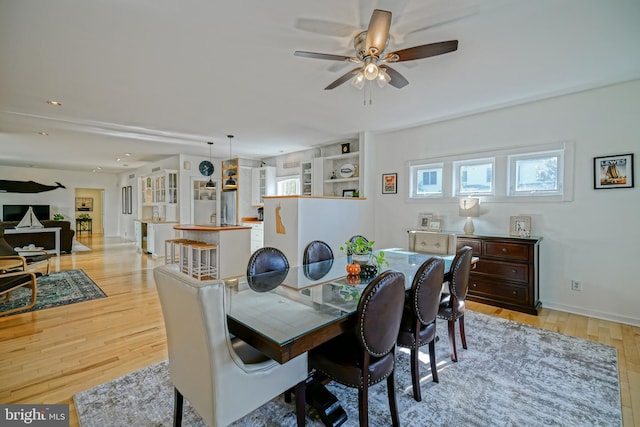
(511, 375)
(60, 288)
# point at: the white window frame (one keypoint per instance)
(415, 169)
(457, 166)
(512, 177)
(502, 174)
(281, 179)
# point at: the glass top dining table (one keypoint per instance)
(286, 313)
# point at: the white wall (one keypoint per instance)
(62, 200)
(593, 238)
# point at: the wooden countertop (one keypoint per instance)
(205, 227)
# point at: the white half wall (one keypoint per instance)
(593, 238)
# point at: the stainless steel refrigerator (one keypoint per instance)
(228, 207)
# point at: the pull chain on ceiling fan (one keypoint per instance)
(371, 58)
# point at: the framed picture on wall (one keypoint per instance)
(613, 171)
(84, 204)
(389, 183)
(124, 200)
(129, 199)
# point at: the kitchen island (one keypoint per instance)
(233, 241)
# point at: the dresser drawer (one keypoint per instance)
(257, 234)
(503, 270)
(498, 291)
(513, 251)
(474, 244)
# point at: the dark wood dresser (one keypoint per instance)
(507, 272)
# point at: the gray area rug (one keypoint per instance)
(511, 375)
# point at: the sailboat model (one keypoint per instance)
(29, 220)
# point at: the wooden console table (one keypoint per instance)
(507, 273)
(55, 230)
(84, 224)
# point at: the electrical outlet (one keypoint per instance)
(576, 285)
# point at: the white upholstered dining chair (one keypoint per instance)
(223, 377)
(432, 243)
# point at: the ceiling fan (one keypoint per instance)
(371, 58)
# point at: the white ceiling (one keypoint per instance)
(155, 78)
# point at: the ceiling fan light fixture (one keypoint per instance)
(383, 78)
(358, 80)
(370, 69)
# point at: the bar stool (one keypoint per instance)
(204, 261)
(172, 250)
(199, 259)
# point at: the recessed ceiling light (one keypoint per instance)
(99, 168)
(43, 133)
(118, 159)
(127, 154)
(55, 103)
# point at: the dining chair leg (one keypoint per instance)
(432, 360)
(300, 391)
(452, 339)
(415, 374)
(177, 408)
(363, 405)
(415, 369)
(462, 336)
(393, 405)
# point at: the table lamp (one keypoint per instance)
(469, 207)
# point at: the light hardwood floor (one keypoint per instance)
(49, 355)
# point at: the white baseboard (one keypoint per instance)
(633, 321)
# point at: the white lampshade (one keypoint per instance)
(469, 207)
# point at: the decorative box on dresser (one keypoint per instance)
(507, 272)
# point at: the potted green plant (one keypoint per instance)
(84, 216)
(58, 217)
(360, 251)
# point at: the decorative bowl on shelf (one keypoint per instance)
(346, 170)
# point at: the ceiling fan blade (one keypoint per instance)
(328, 28)
(378, 31)
(397, 79)
(424, 51)
(344, 78)
(328, 56)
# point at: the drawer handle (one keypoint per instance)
(515, 292)
(474, 285)
(505, 250)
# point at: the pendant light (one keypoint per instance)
(230, 180)
(210, 184)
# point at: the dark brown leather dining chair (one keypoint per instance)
(365, 355)
(418, 326)
(452, 305)
(317, 251)
(271, 267)
(267, 259)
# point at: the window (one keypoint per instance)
(536, 173)
(288, 186)
(533, 173)
(427, 180)
(474, 176)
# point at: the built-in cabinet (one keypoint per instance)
(205, 202)
(507, 272)
(263, 183)
(306, 178)
(159, 198)
(230, 172)
(337, 172)
(257, 234)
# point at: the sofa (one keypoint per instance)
(46, 240)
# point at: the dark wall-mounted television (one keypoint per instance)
(17, 212)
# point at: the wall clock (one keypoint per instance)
(206, 168)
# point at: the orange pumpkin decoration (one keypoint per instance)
(353, 269)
